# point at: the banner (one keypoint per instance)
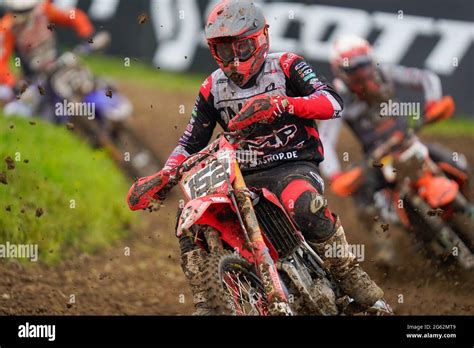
(436, 34)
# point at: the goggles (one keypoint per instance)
(229, 49)
(357, 64)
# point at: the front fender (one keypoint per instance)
(218, 212)
(195, 210)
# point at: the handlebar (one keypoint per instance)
(232, 137)
(397, 140)
(99, 42)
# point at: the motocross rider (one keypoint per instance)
(282, 93)
(27, 29)
(365, 86)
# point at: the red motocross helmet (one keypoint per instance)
(237, 34)
(352, 61)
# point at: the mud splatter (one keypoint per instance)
(39, 212)
(10, 163)
(142, 18)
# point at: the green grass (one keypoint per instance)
(457, 126)
(144, 74)
(61, 171)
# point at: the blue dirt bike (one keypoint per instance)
(70, 94)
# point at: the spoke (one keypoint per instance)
(245, 295)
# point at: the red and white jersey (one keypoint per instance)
(365, 120)
(291, 137)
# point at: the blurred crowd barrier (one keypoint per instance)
(436, 34)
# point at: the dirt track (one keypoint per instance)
(149, 281)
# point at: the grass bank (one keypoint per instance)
(61, 194)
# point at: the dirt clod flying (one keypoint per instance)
(10, 163)
(142, 18)
(39, 212)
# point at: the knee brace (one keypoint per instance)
(309, 210)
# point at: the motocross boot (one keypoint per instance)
(190, 263)
(353, 280)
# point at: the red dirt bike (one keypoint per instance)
(257, 262)
(428, 199)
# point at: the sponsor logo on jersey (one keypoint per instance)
(276, 140)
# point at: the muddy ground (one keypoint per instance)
(149, 279)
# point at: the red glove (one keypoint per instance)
(147, 188)
(436, 110)
(150, 187)
(259, 109)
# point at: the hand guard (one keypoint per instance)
(259, 109)
(346, 183)
(146, 189)
(440, 109)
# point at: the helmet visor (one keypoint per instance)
(356, 64)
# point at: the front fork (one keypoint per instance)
(266, 268)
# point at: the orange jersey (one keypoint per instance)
(35, 42)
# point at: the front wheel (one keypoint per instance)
(232, 286)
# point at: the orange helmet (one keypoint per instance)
(352, 61)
